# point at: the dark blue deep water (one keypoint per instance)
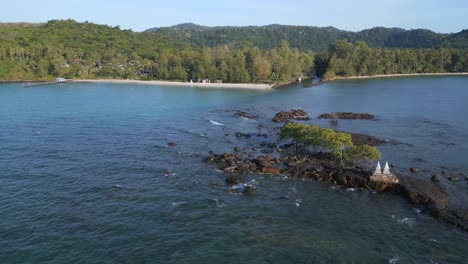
(83, 175)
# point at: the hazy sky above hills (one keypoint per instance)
(445, 16)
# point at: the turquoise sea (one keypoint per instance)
(86, 175)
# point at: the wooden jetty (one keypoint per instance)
(56, 81)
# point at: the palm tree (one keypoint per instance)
(147, 65)
(276, 78)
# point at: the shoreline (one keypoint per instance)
(395, 75)
(250, 86)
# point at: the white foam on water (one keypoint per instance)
(216, 123)
(250, 183)
(169, 173)
(248, 119)
(351, 189)
(394, 260)
(406, 221)
(219, 204)
(175, 204)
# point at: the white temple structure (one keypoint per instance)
(386, 169)
(385, 175)
(378, 169)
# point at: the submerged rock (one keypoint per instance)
(347, 115)
(414, 170)
(436, 177)
(239, 135)
(362, 139)
(293, 114)
(454, 178)
(172, 144)
(234, 179)
(243, 188)
(243, 114)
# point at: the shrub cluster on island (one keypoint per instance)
(310, 152)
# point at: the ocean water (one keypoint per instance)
(86, 175)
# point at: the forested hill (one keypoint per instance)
(66, 48)
(309, 37)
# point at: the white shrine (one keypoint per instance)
(385, 175)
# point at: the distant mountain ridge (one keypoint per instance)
(310, 37)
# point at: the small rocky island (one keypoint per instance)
(309, 152)
(347, 115)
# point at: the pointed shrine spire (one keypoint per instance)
(378, 169)
(386, 169)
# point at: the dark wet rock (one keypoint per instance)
(422, 192)
(419, 160)
(169, 173)
(457, 217)
(237, 149)
(243, 189)
(239, 135)
(249, 189)
(216, 185)
(347, 115)
(454, 178)
(362, 139)
(244, 114)
(436, 177)
(414, 170)
(251, 155)
(234, 179)
(266, 151)
(271, 169)
(293, 114)
(279, 150)
(262, 135)
(172, 144)
(254, 149)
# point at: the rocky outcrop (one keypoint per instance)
(243, 114)
(422, 192)
(293, 114)
(362, 139)
(347, 115)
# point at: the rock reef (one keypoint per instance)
(293, 114)
(347, 115)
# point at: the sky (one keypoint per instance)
(444, 16)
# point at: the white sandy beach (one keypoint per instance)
(399, 75)
(186, 84)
